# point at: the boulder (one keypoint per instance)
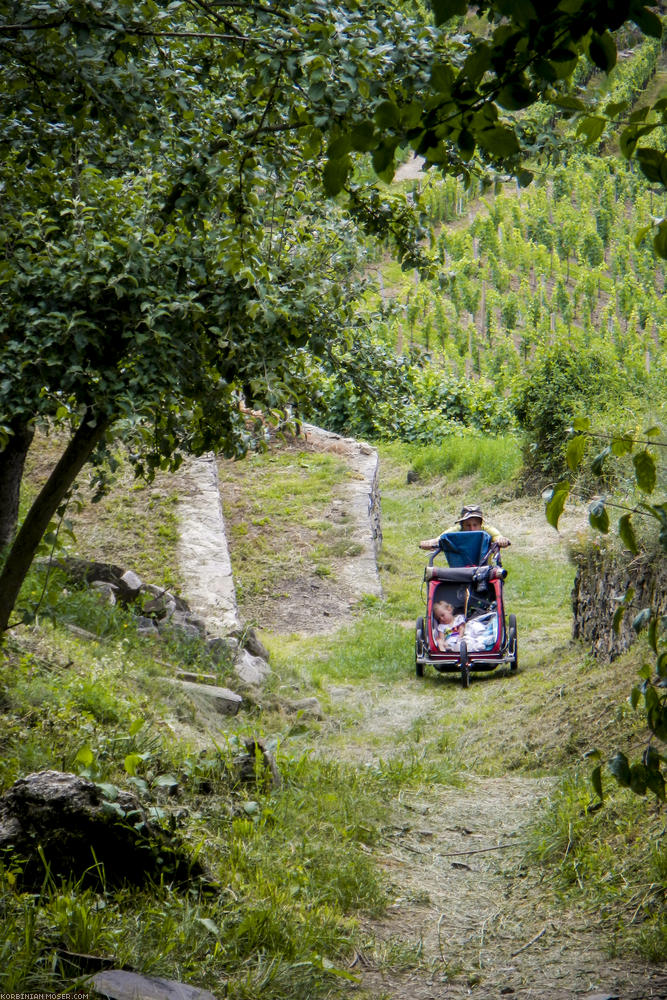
(309, 708)
(117, 984)
(106, 590)
(129, 584)
(221, 699)
(251, 669)
(254, 645)
(79, 826)
(222, 650)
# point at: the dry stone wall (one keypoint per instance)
(603, 577)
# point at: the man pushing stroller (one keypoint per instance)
(470, 519)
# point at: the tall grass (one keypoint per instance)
(494, 460)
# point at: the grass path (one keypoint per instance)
(472, 912)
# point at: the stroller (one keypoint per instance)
(472, 583)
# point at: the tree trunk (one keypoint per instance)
(22, 552)
(12, 461)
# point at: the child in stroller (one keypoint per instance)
(471, 590)
(450, 627)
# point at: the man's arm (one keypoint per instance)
(496, 536)
(434, 543)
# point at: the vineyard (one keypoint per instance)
(550, 280)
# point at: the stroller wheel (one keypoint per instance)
(465, 664)
(419, 647)
(513, 643)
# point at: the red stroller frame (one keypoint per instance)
(475, 591)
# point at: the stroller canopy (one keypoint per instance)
(465, 548)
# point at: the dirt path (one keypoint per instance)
(485, 925)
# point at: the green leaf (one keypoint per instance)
(618, 618)
(635, 697)
(568, 103)
(653, 634)
(621, 446)
(597, 464)
(628, 141)
(653, 432)
(466, 143)
(591, 128)
(620, 768)
(363, 137)
(131, 763)
(388, 115)
(499, 141)
(335, 174)
(638, 779)
(574, 453)
(515, 96)
(524, 177)
(645, 472)
(383, 158)
(641, 234)
(556, 503)
(661, 665)
(660, 240)
(442, 77)
(444, 9)
(627, 533)
(166, 781)
(581, 423)
(653, 164)
(656, 783)
(85, 756)
(615, 107)
(477, 63)
(598, 516)
(602, 50)
(647, 21)
(339, 147)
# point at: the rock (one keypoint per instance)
(161, 593)
(256, 760)
(83, 571)
(160, 607)
(224, 701)
(82, 633)
(255, 645)
(198, 622)
(310, 708)
(188, 675)
(146, 626)
(76, 962)
(251, 669)
(77, 828)
(129, 585)
(223, 650)
(121, 985)
(106, 590)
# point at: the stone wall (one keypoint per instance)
(603, 576)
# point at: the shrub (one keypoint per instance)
(563, 379)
